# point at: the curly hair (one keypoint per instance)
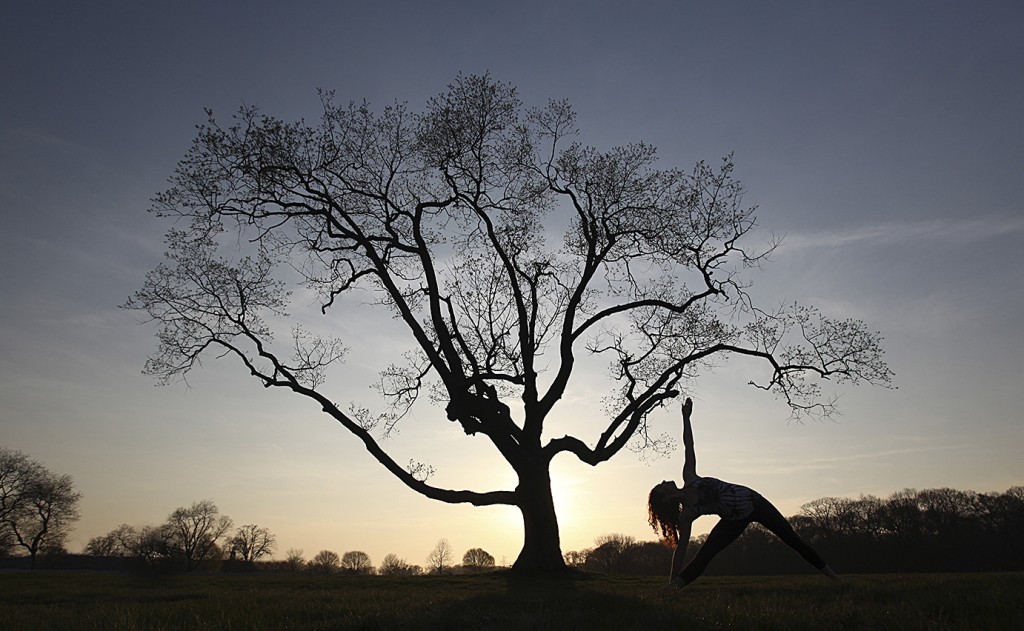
(663, 514)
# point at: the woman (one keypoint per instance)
(672, 510)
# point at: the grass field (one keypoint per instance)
(54, 600)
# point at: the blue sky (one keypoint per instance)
(883, 139)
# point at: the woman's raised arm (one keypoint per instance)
(690, 463)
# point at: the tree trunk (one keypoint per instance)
(541, 544)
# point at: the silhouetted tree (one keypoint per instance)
(832, 518)
(944, 511)
(477, 559)
(122, 541)
(576, 558)
(392, 565)
(293, 560)
(609, 553)
(450, 219)
(37, 507)
(17, 471)
(621, 554)
(900, 517)
(440, 558)
(156, 546)
(252, 542)
(195, 531)
(647, 558)
(325, 562)
(356, 562)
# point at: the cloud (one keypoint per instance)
(951, 231)
(840, 462)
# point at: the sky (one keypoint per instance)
(883, 140)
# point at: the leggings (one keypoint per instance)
(727, 530)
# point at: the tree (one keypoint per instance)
(252, 542)
(392, 565)
(37, 506)
(17, 471)
(293, 560)
(576, 558)
(900, 517)
(609, 553)
(122, 541)
(450, 218)
(156, 545)
(832, 518)
(477, 559)
(195, 531)
(648, 557)
(325, 562)
(440, 558)
(356, 562)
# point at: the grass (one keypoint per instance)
(53, 600)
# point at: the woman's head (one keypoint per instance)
(663, 509)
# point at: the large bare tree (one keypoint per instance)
(506, 249)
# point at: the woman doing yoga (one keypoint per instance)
(671, 511)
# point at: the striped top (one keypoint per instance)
(727, 500)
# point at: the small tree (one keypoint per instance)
(356, 562)
(293, 560)
(576, 558)
(609, 552)
(440, 558)
(37, 506)
(392, 565)
(122, 541)
(156, 546)
(195, 531)
(252, 542)
(325, 562)
(477, 559)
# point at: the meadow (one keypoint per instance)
(113, 601)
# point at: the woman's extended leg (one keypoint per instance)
(768, 516)
(724, 533)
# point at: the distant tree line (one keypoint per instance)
(358, 563)
(192, 537)
(199, 537)
(934, 530)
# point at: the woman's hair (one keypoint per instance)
(663, 513)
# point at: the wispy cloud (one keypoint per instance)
(840, 461)
(946, 230)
